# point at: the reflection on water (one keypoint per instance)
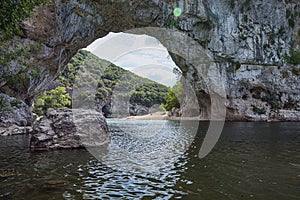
(251, 161)
(147, 146)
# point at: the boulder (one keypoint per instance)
(69, 128)
(15, 130)
(175, 112)
(138, 110)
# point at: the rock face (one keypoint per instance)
(258, 93)
(138, 110)
(15, 116)
(175, 112)
(247, 41)
(66, 128)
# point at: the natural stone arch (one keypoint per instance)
(219, 26)
(196, 65)
(67, 26)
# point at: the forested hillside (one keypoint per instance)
(120, 90)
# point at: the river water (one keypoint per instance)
(250, 161)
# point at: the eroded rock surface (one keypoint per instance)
(138, 110)
(67, 128)
(15, 116)
(247, 41)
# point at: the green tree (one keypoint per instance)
(56, 98)
(171, 101)
(101, 94)
(173, 96)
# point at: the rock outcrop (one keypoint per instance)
(67, 128)
(138, 110)
(15, 116)
(263, 93)
(175, 112)
(247, 41)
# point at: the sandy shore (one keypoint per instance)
(153, 116)
(158, 116)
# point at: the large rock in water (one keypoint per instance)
(15, 116)
(67, 128)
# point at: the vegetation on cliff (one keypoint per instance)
(16, 72)
(108, 78)
(13, 12)
(293, 58)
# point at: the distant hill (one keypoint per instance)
(119, 92)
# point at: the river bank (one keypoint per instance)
(282, 116)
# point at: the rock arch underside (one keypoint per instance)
(246, 40)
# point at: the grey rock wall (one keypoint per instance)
(15, 116)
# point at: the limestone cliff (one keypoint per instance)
(15, 116)
(246, 39)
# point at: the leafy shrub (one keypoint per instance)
(4, 106)
(35, 74)
(56, 98)
(174, 24)
(291, 18)
(238, 65)
(293, 58)
(296, 71)
(101, 94)
(171, 101)
(16, 103)
(230, 69)
(149, 94)
(259, 110)
(291, 103)
(271, 99)
(285, 74)
(173, 96)
(100, 84)
(291, 22)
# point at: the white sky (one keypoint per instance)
(141, 54)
